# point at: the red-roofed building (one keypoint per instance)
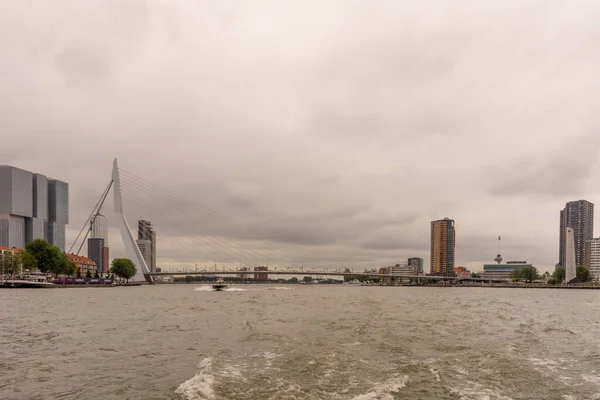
(84, 264)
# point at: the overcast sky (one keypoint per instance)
(340, 128)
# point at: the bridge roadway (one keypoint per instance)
(321, 273)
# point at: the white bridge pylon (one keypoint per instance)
(132, 250)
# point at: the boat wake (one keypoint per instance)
(220, 378)
(204, 289)
(387, 390)
(200, 387)
(210, 289)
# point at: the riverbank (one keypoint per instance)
(533, 287)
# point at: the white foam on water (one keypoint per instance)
(476, 391)
(269, 357)
(280, 288)
(550, 364)
(540, 361)
(385, 391)
(461, 370)
(203, 289)
(592, 379)
(436, 374)
(200, 386)
(235, 289)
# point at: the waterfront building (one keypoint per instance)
(9, 251)
(7, 255)
(578, 215)
(416, 262)
(443, 240)
(592, 257)
(83, 264)
(242, 275)
(99, 230)
(261, 276)
(502, 271)
(96, 253)
(145, 247)
(402, 269)
(461, 272)
(146, 232)
(32, 206)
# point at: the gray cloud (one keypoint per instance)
(335, 130)
(563, 171)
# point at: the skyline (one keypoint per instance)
(347, 138)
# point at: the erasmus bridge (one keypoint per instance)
(193, 235)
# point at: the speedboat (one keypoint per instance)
(219, 285)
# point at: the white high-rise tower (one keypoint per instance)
(99, 228)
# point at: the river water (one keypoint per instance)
(299, 342)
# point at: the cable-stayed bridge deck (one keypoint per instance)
(222, 272)
(193, 234)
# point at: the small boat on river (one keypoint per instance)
(219, 285)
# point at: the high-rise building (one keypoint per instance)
(416, 262)
(592, 257)
(443, 240)
(32, 207)
(58, 213)
(96, 253)
(147, 232)
(145, 247)
(99, 230)
(578, 215)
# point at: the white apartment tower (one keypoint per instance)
(592, 257)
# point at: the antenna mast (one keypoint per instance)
(498, 258)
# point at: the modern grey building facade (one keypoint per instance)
(145, 247)
(416, 262)
(578, 215)
(147, 243)
(502, 271)
(96, 252)
(32, 207)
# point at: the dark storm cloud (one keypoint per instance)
(337, 130)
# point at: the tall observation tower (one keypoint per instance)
(498, 258)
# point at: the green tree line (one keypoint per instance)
(527, 273)
(38, 254)
(559, 274)
(41, 255)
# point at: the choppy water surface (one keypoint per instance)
(299, 342)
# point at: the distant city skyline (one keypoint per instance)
(579, 214)
(341, 142)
